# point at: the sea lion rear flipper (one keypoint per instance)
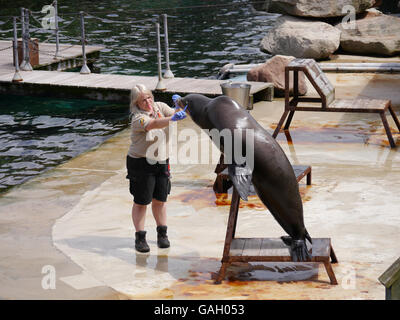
(298, 249)
(241, 179)
(287, 240)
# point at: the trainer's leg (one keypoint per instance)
(159, 209)
(139, 216)
(141, 187)
(160, 215)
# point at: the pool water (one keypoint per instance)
(203, 35)
(39, 133)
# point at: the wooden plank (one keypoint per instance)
(48, 77)
(321, 247)
(6, 76)
(330, 272)
(89, 80)
(274, 250)
(237, 246)
(387, 129)
(274, 247)
(300, 171)
(393, 114)
(43, 77)
(122, 82)
(316, 76)
(329, 109)
(252, 247)
(359, 105)
(170, 83)
(391, 275)
(97, 80)
(127, 82)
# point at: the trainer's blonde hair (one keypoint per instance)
(136, 91)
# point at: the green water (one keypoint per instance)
(203, 35)
(39, 133)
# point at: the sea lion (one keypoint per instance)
(272, 174)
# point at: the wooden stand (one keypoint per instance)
(326, 98)
(267, 249)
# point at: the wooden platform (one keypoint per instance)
(274, 250)
(69, 56)
(326, 98)
(116, 88)
(105, 87)
(267, 249)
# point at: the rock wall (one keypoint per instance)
(273, 70)
(301, 38)
(316, 8)
(374, 34)
(359, 29)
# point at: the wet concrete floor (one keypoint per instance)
(76, 218)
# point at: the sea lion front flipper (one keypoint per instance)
(241, 179)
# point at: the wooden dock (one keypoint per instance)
(105, 87)
(70, 56)
(115, 88)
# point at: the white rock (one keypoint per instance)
(301, 38)
(376, 34)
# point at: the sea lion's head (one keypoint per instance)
(182, 104)
(195, 105)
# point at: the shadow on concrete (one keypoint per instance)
(189, 267)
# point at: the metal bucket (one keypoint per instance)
(240, 92)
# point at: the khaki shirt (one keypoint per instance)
(152, 144)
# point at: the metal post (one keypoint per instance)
(85, 69)
(56, 29)
(168, 73)
(27, 66)
(17, 77)
(22, 65)
(160, 85)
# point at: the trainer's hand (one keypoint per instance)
(178, 116)
(175, 97)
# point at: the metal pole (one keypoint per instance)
(168, 73)
(27, 65)
(17, 77)
(160, 85)
(56, 29)
(22, 65)
(85, 69)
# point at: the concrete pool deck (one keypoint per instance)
(76, 217)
